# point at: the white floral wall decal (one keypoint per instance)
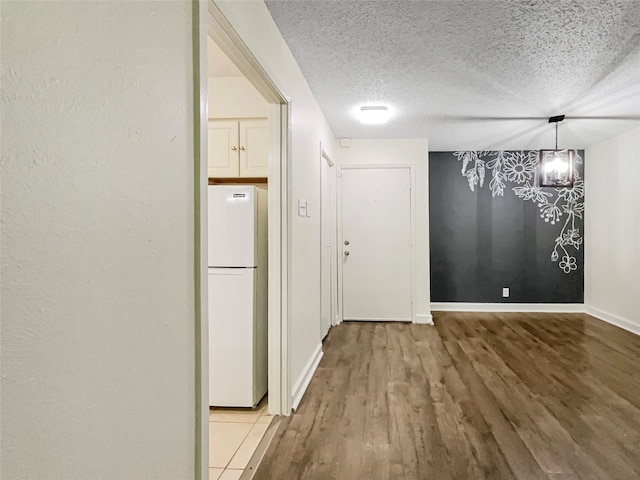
(555, 204)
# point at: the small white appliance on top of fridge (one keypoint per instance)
(237, 295)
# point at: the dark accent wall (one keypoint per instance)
(482, 240)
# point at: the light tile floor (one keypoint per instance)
(234, 435)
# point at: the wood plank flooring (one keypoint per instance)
(480, 396)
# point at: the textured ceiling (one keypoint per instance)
(471, 74)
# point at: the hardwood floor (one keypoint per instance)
(480, 396)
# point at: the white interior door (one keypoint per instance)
(326, 195)
(376, 244)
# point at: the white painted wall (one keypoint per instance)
(254, 24)
(98, 375)
(612, 230)
(235, 97)
(403, 152)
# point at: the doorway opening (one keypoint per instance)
(328, 271)
(245, 137)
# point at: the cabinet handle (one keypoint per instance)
(234, 148)
(241, 148)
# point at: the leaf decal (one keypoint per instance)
(496, 184)
(480, 167)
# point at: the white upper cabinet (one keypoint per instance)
(238, 148)
(254, 148)
(223, 148)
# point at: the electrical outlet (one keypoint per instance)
(505, 292)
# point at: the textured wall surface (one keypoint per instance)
(97, 241)
(612, 257)
(491, 228)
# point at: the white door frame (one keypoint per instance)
(201, 176)
(212, 22)
(221, 31)
(412, 175)
(333, 286)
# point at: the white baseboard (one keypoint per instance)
(424, 319)
(623, 323)
(508, 307)
(376, 319)
(307, 373)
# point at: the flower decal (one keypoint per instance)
(520, 167)
(574, 194)
(550, 212)
(574, 208)
(572, 237)
(568, 263)
(559, 206)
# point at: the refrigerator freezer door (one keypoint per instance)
(231, 337)
(232, 226)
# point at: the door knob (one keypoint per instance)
(346, 253)
(241, 148)
(346, 242)
(234, 148)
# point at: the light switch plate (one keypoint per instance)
(308, 208)
(302, 208)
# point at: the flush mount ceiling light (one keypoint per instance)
(373, 115)
(555, 167)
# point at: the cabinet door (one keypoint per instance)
(254, 148)
(223, 148)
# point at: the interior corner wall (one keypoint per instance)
(253, 23)
(98, 289)
(612, 257)
(403, 152)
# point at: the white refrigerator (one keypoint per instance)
(237, 295)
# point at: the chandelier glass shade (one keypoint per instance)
(555, 167)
